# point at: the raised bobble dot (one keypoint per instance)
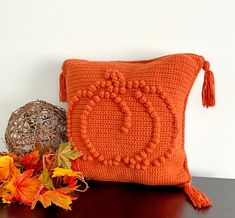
(92, 103)
(84, 93)
(138, 94)
(127, 125)
(144, 167)
(117, 158)
(89, 94)
(161, 159)
(79, 94)
(86, 141)
(92, 88)
(72, 103)
(122, 90)
(146, 89)
(129, 85)
(88, 108)
(143, 99)
(123, 104)
(116, 163)
(85, 113)
(132, 166)
(101, 94)
(114, 79)
(123, 83)
(167, 155)
(155, 163)
(105, 162)
(108, 83)
(143, 154)
(127, 119)
(128, 113)
(97, 84)
(169, 151)
(83, 123)
(101, 158)
(107, 74)
(138, 166)
(96, 99)
(110, 89)
(107, 95)
(148, 104)
(136, 84)
(132, 160)
(137, 157)
(116, 83)
(142, 83)
(113, 95)
(126, 160)
(153, 114)
(92, 150)
(152, 145)
(156, 140)
(118, 99)
(110, 162)
(146, 162)
(96, 154)
(153, 89)
(89, 145)
(116, 90)
(124, 129)
(84, 157)
(103, 84)
(90, 158)
(150, 109)
(149, 150)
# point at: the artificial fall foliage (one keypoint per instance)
(46, 177)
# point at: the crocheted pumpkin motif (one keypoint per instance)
(114, 88)
(127, 118)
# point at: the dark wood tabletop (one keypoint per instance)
(120, 200)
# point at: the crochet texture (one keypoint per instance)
(128, 117)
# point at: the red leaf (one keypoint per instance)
(31, 160)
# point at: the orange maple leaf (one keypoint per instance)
(58, 198)
(23, 188)
(30, 160)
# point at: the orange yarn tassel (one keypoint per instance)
(63, 95)
(208, 89)
(198, 199)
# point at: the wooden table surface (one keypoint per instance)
(118, 200)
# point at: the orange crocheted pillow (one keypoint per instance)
(127, 118)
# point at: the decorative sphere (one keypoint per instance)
(36, 123)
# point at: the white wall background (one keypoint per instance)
(36, 36)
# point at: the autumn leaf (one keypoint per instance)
(64, 172)
(65, 154)
(30, 160)
(7, 167)
(57, 198)
(75, 164)
(22, 187)
(46, 179)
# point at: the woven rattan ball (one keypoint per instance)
(36, 123)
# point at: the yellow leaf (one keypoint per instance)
(6, 167)
(54, 197)
(65, 154)
(64, 172)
